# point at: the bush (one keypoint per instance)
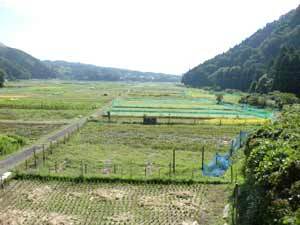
(273, 100)
(10, 143)
(271, 193)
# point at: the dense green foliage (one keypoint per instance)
(253, 64)
(20, 65)
(2, 78)
(273, 99)
(286, 73)
(79, 71)
(10, 143)
(271, 194)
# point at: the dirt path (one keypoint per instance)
(15, 159)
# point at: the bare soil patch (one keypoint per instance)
(15, 217)
(107, 194)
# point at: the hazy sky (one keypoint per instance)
(168, 36)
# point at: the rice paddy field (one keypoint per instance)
(118, 170)
(56, 202)
(185, 106)
(55, 100)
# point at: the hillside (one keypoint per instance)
(17, 64)
(242, 66)
(79, 71)
(20, 65)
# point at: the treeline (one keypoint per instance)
(261, 63)
(80, 71)
(271, 192)
(16, 64)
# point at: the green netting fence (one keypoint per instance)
(220, 163)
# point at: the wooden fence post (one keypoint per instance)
(108, 116)
(235, 216)
(44, 156)
(170, 169)
(82, 171)
(1, 182)
(50, 148)
(231, 172)
(115, 169)
(35, 161)
(55, 166)
(231, 148)
(174, 161)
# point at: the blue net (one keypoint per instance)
(221, 162)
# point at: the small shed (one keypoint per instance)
(149, 120)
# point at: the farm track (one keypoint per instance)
(14, 160)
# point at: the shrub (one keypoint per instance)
(274, 99)
(10, 143)
(271, 193)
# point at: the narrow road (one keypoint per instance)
(16, 159)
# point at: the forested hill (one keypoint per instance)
(256, 62)
(17, 64)
(79, 71)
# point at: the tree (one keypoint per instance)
(264, 84)
(2, 78)
(219, 98)
(287, 71)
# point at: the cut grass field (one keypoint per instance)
(137, 151)
(31, 202)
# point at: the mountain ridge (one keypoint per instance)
(82, 71)
(247, 62)
(18, 64)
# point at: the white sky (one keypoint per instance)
(167, 36)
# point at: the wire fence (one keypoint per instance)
(40, 164)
